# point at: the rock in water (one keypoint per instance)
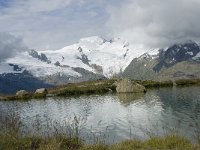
(128, 86)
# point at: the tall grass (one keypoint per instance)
(14, 137)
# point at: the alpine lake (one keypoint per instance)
(109, 118)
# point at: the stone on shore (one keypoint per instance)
(22, 93)
(128, 86)
(40, 93)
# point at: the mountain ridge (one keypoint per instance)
(95, 58)
(92, 58)
(176, 62)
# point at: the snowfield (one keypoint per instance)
(94, 54)
(111, 56)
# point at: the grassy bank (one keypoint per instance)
(71, 89)
(99, 87)
(12, 137)
(105, 86)
(89, 87)
(156, 84)
(61, 143)
(159, 84)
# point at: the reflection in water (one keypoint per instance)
(181, 109)
(127, 98)
(112, 118)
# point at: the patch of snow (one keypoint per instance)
(197, 56)
(190, 53)
(154, 52)
(177, 49)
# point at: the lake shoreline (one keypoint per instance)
(97, 87)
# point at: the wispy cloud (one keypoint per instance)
(10, 45)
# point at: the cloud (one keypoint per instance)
(35, 6)
(10, 45)
(155, 23)
(52, 24)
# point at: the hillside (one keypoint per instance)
(92, 58)
(95, 58)
(179, 61)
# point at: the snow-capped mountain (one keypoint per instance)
(175, 62)
(94, 54)
(89, 59)
(95, 58)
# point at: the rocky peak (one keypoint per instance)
(16, 67)
(177, 53)
(41, 56)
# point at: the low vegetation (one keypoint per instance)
(99, 87)
(14, 97)
(8, 142)
(186, 82)
(105, 86)
(156, 84)
(89, 87)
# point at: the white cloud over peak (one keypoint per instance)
(156, 23)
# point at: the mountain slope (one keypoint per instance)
(95, 58)
(94, 54)
(91, 58)
(11, 82)
(176, 62)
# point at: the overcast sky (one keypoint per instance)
(53, 24)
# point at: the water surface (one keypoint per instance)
(111, 118)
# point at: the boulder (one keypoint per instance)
(128, 86)
(22, 93)
(41, 91)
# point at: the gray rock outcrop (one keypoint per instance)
(128, 86)
(57, 63)
(179, 61)
(41, 56)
